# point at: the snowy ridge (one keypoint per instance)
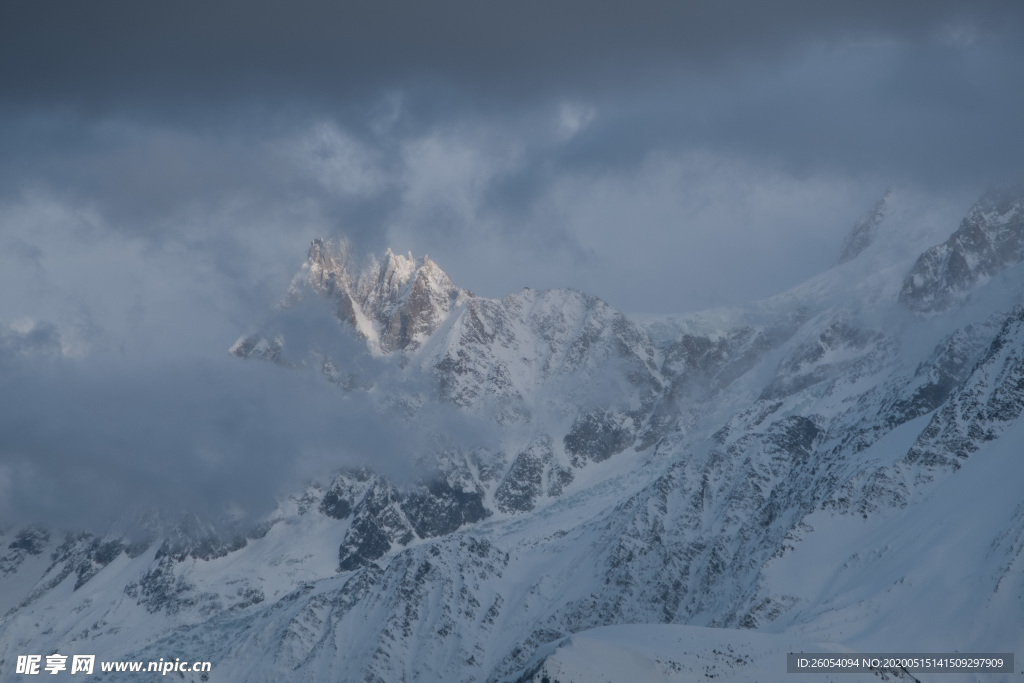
(990, 239)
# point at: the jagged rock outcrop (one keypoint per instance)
(989, 401)
(598, 435)
(28, 541)
(394, 303)
(535, 473)
(989, 240)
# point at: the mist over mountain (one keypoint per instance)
(509, 342)
(540, 479)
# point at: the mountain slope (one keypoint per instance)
(828, 469)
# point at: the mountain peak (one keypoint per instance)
(394, 302)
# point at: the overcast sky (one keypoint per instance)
(163, 167)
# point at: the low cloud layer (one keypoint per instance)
(89, 441)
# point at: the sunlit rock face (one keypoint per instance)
(394, 303)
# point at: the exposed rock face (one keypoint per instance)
(536, 472)
(384, 517)
(941, 373)
(378, 520)
(989, 240)
(437, 508)
(394, 303)
(28, 541)
(598, 435)
(983, 407)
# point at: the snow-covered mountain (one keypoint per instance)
(987, 242)
(834, 469)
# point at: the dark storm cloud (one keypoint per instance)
(163, 166)
(933, 113)
(105, 54)
(912, 90)
(147, 179)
